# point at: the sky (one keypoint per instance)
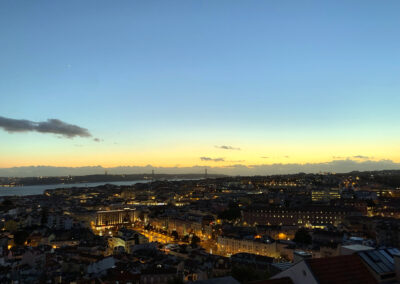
(198, 83)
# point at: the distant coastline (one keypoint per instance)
(11, 182)
(41, 188)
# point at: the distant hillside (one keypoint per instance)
(98, 178)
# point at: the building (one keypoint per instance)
(325, 195)
(160, 274)
(383, 263)
(257, 261)
(338, 269)
(112, 218)
(301, 217)
(360, 264)
(127, 239)
(388, 232)
(60, 222)
(183, 226)
(256, 245)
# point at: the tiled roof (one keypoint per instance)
(344, 269)
(381, 261)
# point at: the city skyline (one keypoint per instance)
(336, 166)
(189, 84)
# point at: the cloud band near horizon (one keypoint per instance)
(212, 159)
(339, 166)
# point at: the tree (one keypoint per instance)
(302, 237)
(20, 237)
(175, 235)
(195, 241)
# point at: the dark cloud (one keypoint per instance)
(54, 126)
(212, 159)
(227, 147)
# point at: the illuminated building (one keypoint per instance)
(112, 218)
(183, 227)
(325, 195)
(315, 215)
(127, 239)
(255, 245)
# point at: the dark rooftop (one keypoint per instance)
(344, 269)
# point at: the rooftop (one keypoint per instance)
(357, 247)
(344, 269)
(381, 261)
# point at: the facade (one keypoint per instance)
(301, 217)
(183, 226)
(230, 245)
(159, 274)
(127, 239)
(325, 195)
(388, 232)
(112, 218)
(60, 222)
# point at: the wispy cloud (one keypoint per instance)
(360, 157)
(264, 157)
(225, 147)
(54, 126)
(212, 159)
(337, 157)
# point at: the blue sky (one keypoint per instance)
(183, 76)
